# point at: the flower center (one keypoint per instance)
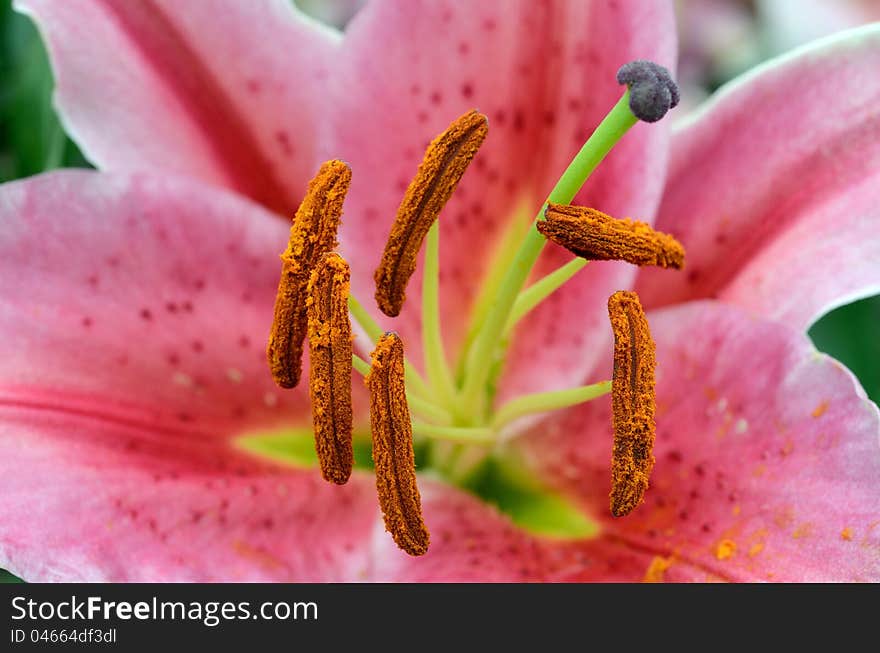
(449, 412)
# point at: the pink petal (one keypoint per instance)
(86, 499)
(134, 320)
(544, 74)
(768, 456)
(472, 542)
(772, 187)
(221, 91)
(143, 299)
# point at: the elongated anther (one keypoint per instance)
(393, 448)
(445, 161)
(330, 360)
(593, 235)
(312, 235)
(632, 401)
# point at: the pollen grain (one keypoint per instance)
(443, 165)
(393, 447)
(330, 360)
(312, 235)
(596, 236)
(633, 402)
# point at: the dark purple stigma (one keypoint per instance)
(652, 91)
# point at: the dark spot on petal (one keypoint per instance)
(87, 322)
(146, 314)
(467, 91)
(284, 142)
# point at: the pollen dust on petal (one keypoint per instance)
(819, 410)
(657, 569)
(846, 534)
(755, 549)
(725, 549)
(261, 557)
(802, 531)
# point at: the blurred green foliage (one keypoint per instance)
(31, 137)
(32, 140)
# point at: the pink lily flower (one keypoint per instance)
(137, 300)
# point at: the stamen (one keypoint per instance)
(445, 161)
(633, 402)
(312, 235)
(330, 362)
(593, 235)
(393, 448)
(540, 402)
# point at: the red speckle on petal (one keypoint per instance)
(146, 314)
(467, 90)
(464, 48)
(284, 142)
(87, 322)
